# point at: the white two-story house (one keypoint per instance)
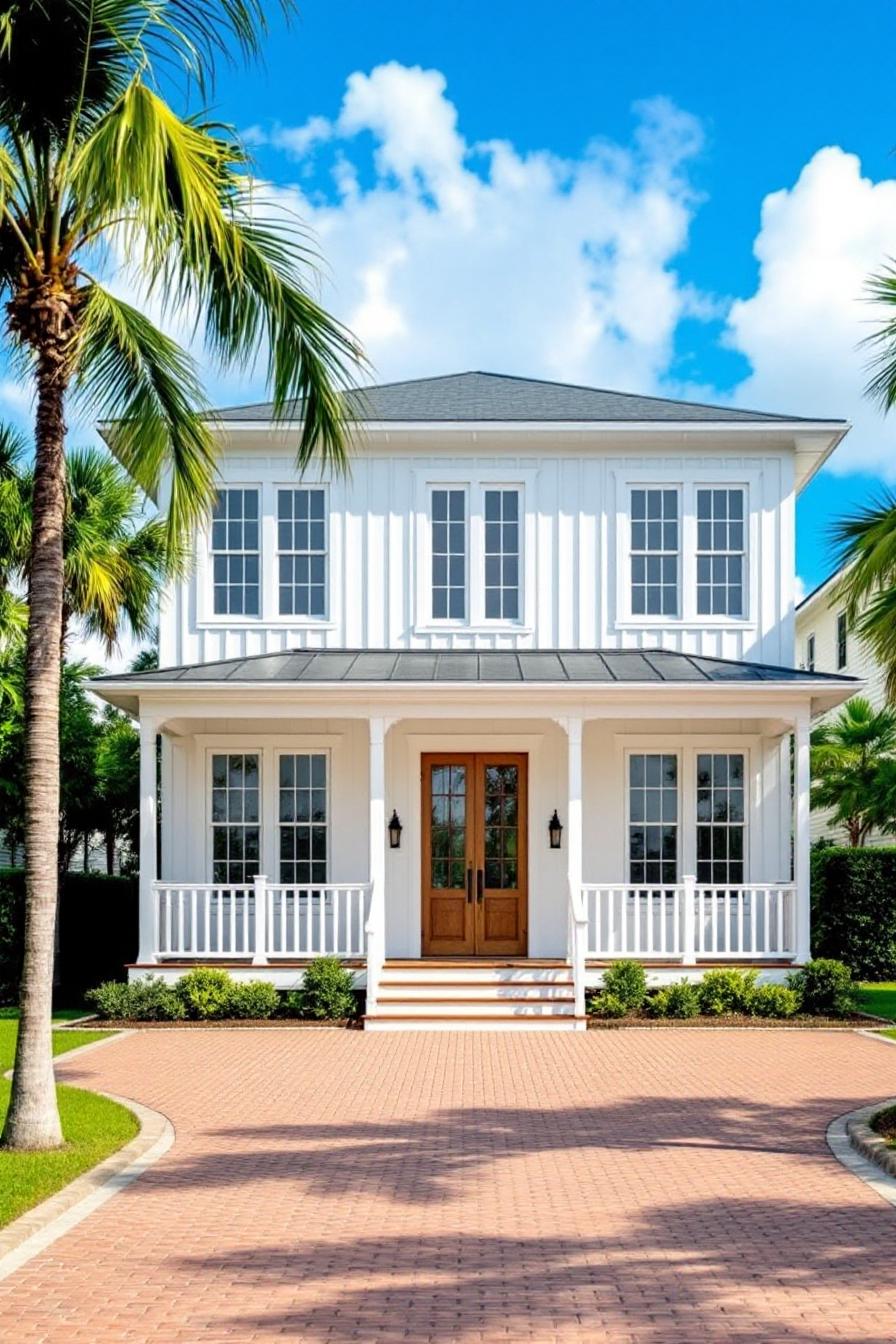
(511, 699)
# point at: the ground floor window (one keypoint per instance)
(653, 817)
(302, 787)
(236, 830)
(720, 817)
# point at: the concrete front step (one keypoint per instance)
(411, 1007)
(474, 990)
(433, 972)
(432, 1022)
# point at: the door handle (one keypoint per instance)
(480, 883)
(469, 886)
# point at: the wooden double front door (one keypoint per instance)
(475, 860)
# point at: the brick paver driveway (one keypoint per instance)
(635, 1186)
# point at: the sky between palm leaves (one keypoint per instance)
(678, 200)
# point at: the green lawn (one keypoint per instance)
(879, 999)
(93, 1128)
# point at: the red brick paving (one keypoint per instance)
(669, 1187)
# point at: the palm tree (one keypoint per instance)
(866, 545)
(95, 166)
(853, 764)
(115, 561)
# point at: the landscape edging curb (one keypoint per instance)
(37, 1228)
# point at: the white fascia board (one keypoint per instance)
(833, 427)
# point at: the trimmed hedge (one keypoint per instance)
(854, 909)
(97, 935)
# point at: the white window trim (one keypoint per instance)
(687, 751)
(311, 622)
(269, 614)
(475, 482)
(269, 747)
(687, 481)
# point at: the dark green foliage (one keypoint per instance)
(854, 909)
(327, 991)
(97, 932)
(825, 988)
(626, 981)
(726, 991)
(149, 1000)
(205, 992)
(605, 1004)
(253, 998)
(774, 1001)
(676, 1000)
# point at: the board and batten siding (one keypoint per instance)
(575, 560)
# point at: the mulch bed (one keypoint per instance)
(733, 1020)
(123, 1023)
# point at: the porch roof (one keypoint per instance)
(537, 670)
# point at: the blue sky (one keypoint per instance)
(679, 199)
(767, 86)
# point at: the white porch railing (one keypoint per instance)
(264, 921)
(577, 943)
(686, 922)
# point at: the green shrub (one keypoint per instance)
(205, 993)
(825, 988)
(149, 1000)
(626, 981)
(854, 909)
(326, 993)
(606, 1004)
(726, 991)
(252, 998)
(676, 1000)
(774, 1001)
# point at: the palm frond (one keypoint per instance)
(881, 387)
(133, 374)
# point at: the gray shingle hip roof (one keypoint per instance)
(503, 398)
(586, 667)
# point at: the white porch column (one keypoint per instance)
(578, 927)
(801, 840)
(574, 804)
(148, 931)
(376, 921)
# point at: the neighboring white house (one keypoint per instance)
(527, 602)
(825, 642)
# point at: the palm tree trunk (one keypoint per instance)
(33, 1117)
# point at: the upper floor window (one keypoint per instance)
(720, 552)
(654, 552)
(810, 654)
(235, 553)
(302, 551)
(841, 641)
(502, 554)
(449, 554)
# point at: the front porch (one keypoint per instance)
(680, 785)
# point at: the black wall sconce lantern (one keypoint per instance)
(555, 830)
(394, 831)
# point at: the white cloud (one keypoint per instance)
(800, 330)
(444, 255)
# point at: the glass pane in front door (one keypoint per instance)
(501, 835)
(448, 805)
